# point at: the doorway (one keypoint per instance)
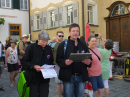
(118, 25)
(15, 31)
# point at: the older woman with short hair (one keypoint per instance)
(105, 53)
(36, 55)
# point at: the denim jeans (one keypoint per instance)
(74, 88)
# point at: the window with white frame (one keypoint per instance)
(69, 10)
(6, 3)
(90, 14)
(23, 4)
(37, 22)
(92, 17)
(52, 19)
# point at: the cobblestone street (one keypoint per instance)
(118, 88)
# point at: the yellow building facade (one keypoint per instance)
(50, 7)
(42, 12)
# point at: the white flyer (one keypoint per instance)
(45, 66)
(47, 72)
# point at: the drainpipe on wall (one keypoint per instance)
(83, 18)
(29, 20)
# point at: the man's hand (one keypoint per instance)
(86, 61)
(68, 62)
(38, 68)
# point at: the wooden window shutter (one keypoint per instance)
(56, 12)
(64, 16)
(16, 4)
(45, 20)
(0, 3)
(32, 23)
(75, 13)
(60, 16)
(21, 4)
(41, 21)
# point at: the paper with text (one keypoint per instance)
(47, 72)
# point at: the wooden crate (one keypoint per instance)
(118, 76)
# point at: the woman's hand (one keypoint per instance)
(19, 63)
(100, 36)
(5, 65)
(51, 67)
(37, 68)
(103, 40)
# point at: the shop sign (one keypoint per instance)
(8, 16)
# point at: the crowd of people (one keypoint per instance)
(72, 76)
(11, 54)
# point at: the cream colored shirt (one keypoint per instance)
(22, 46)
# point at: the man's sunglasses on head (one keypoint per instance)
(61, 35)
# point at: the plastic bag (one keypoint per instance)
(88, 91)
(22, 87)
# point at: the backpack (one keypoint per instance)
(50, 43)
(65, 46)
(18, 47)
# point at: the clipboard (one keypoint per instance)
(79, 57)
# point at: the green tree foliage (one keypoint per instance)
(2, 21)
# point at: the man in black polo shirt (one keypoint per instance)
(73, 74)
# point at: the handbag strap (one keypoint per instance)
(95, 54)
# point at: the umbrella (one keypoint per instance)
(87, 32)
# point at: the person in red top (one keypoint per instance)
(95, 70)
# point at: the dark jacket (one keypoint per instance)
(66, 71)
(33, 56)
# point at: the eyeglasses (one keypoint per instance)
(61, 35)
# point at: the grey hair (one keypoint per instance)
(43, 35)
(54, 38)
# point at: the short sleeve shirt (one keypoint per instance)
(95, 69)
(22, 46)
(105, 62)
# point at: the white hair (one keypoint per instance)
(54, 38)
(43, 35)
